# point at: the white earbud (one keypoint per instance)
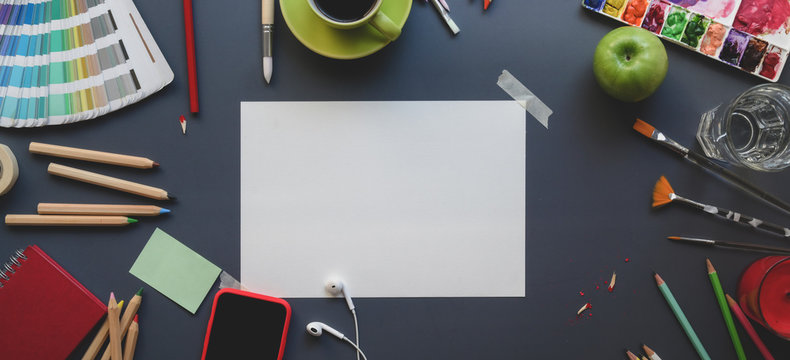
(316, 328)
(336, 287)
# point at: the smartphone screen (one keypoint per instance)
(246, 326)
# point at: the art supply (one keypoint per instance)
(183, 121)
(710, 166)
(131, 340)
(100, 338)
(189, 38)
(446, 16)
(66, 220)
(92, 155)
(750, 35)
(486, 3)
(673, 304)
(335, 43)
(524, 97)
(461, 165)
(175, 270)
(725, 310)
(611, 282)
(584, 307)
(732, 245)
(108, 182)
(652, 354)
(9, 169)
(74, 60)
(126, 319)
(267, 22)
(114, 326)
(40, 300)
(763, 293)
(630, 355)
(736, 310)
(752, 131)
(664, 194)
(100, 209)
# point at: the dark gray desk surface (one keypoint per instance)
(589, 183)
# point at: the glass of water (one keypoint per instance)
(752, 131)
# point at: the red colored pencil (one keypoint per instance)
(189, 30)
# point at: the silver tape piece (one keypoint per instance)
(228, 281)
(524, 97)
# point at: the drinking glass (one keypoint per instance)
(751, 131)
(764, 294)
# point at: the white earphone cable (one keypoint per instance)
(356, 330)
(359, 351)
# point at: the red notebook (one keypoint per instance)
(44, 312)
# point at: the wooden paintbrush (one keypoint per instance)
(710, 166)
(663, 194)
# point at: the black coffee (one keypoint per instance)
(345, 10)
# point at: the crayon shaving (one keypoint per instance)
(611, 282)
(585, 307)
(183, 122)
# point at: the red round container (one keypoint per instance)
(764, 294)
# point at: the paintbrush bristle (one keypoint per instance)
(644, 128)
(661, 192)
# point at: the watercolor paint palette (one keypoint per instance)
(751, 35)
(63, 61)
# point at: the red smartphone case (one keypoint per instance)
(255, 296)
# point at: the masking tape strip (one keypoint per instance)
(9, 169)
(524, 97)
(228, 281)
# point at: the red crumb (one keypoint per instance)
(627, 259)
(581, 293)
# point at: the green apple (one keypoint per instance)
(630, 63)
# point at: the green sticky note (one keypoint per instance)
(175, 270)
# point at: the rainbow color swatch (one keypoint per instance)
(63, 61)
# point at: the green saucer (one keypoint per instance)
(335, 43)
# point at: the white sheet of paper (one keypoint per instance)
(397, 198)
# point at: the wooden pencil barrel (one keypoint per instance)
(91, 155)
(107, 181)
(65, 220)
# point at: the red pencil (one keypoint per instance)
(189, 29)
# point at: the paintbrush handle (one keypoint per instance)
(739, 218)
(732, 178)
(740, 246)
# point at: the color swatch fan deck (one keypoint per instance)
(751, 35)
(64, 61)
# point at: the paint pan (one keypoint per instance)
(749, 35)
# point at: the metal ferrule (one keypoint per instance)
(266, 32)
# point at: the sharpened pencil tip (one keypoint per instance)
(171, 197)
(164, 211)
(140, 292)
(112, 296)
(135, 318)
(156, 164)
(131, 221)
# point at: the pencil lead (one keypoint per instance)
(140, 292)
(171, 196)
(112, 296)
(131, 221)
(711, 269)
(135, 318)
(120, 305)
(164, 211)
(156, 164)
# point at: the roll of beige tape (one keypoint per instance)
(9, 169)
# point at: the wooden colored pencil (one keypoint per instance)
(92, 155)
(673, 304)
(631, 355)
(100, 209)
(131, 340)
(108, 182)
(100, 338)
(128, 317)
(736, 310)
(652, 354)
(725, 310)
(66, 220)
(113, 313)
(644, 357)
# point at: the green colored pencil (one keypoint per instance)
(725, 310)
(673, 304)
